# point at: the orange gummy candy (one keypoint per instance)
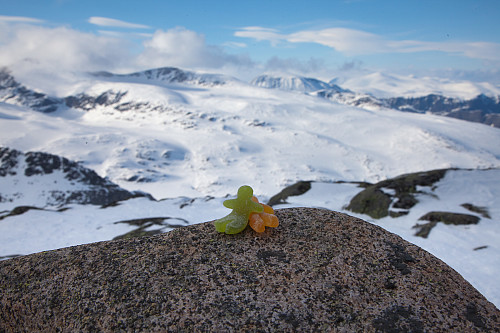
(259, 221)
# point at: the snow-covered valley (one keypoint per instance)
(191, 139)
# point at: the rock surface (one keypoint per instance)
(376, 202)
(318, 271)
(423, 230)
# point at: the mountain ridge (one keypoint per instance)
(291, 82)
(172, 75)
(244, 120)
(482, 108)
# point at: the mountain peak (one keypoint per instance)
(291, 82)
(171, 75)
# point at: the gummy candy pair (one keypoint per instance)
(246, 209)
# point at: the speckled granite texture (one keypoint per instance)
(318, 271)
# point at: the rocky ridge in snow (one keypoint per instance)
(171, 75)
(483, 109)
(42, 179)
(13, 92)
(297, 83)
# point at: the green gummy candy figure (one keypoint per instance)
(242, 207)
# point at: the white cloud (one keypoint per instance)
(109, 22)
(313, 66)
(343, 40)
(26, 46)
(61, 48)
(260, 34)
(235, 45)
(125, 35)
(185, 48)
(19, 19)
(353, 42)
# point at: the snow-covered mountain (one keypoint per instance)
(482, 109)
(13, 92)
(40, 179)
(385, 85)
(365, 101)
(183, 135)
(190, 142)
(170, 75)
(297, 83)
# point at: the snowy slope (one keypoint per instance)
(196, 140)
(384, 85)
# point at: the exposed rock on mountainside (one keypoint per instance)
(298, 83)
(423, 230)
(377, 200)
(480, 210)
(318, 271)
(350, 98)
(13, 92)
(87, 103)
(298, 188)
(482, 109)
(54, 180)
(173, 75)
(18, 211)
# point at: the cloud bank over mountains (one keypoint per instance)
(186, 48)
(26, 42)
(29, 43)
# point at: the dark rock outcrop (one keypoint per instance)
(298, 188)
(483, 211)
(86, 102)
(376, 202)
(85, 185)
(481, 109)
(172, 75)
(318, 271)
(13, 92)
(17, 211)
(297, 83)
(423, 230)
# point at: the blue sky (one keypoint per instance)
(443, 37)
